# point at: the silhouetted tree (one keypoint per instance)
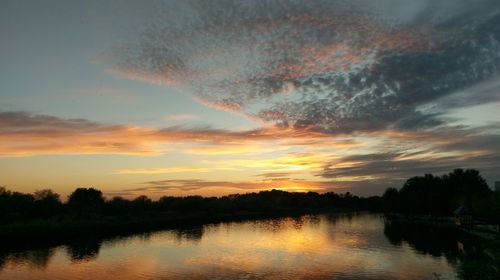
(465, 185)
(431, 194)
(15, 205)
(117, 205)
(47, 202)
(422, 194)
(142, 203)
(4, 197)
(426, 194)
(86, 199)
(390, 200)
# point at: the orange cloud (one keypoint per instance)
(24, 134)
(160, 188)
(279, 155)
(177, 169)
(288, 163)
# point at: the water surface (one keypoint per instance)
(358, 246)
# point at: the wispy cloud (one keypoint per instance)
(468, 148)
(166, 170)
(180, 117)
(379, 159)
(199, 186)
(333, 66)
(289, 163)
(23, 133)
(348, 94)
(275, 174)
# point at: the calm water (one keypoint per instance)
(309, 247)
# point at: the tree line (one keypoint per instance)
(442, 195)
(16, 206)
(428, 194)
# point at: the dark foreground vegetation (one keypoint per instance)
(430, 199)
(473, 258)
(43, 216)
(41, 220)
(462, 190)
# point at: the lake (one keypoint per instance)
(333, 246)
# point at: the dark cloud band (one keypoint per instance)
(335, 66)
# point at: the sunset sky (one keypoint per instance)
(217, 97)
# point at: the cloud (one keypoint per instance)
(292, 162)
(206, 187)
(25, 134)
(275, 174)
(363, 163)
(332, 66)
(180, 117)
(482, 93)
(468, 148)
(166, 170)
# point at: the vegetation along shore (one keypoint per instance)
(42, 216)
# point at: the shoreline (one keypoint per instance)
(61, 230)
(476, 229)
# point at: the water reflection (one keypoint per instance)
(37, 259)
(436, 242)
(192, 234)
(83, 250)
(307, 247)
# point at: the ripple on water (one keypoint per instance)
(307, 247)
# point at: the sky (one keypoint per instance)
(218, 97)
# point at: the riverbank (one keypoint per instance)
(306, 247)
(58, 230)
(475, 228)
(438, 221)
